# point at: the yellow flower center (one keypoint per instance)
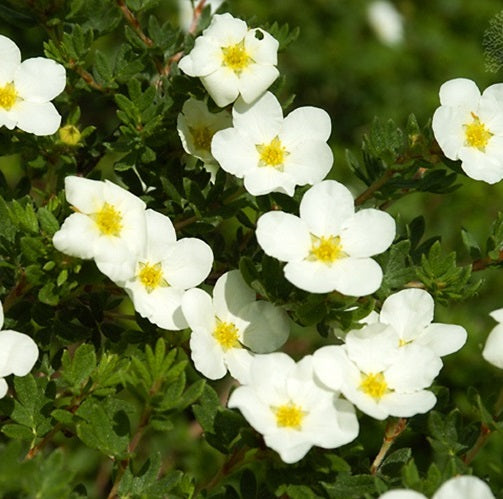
(374, 385)
(109, 220)
(476, 134)
(69, 135)
(226, 333)
(202, 137)
(8, 96)
(289, 416)
(272, 154)
(150, 275)
(235, 57)
(326, 249)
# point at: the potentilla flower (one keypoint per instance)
(329, 247)
(164, 270)
(109, 226)
(378, 376)
(26, 89)
(283, 402)
(459, 487)
(196, 126)
(233, 319)
(18, 354)
(410, 313)
(493, 349)
(386, 21)
(272, 153)
(232, 60)
(469, 127)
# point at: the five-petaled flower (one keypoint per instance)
(469, 126)
(329, 247)
(272, 153)
(282, 401)
(109, 226)
(165, 268)
(232, 60)
(26, 89)
(18, 354)
(233, 319)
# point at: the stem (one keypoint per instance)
(183, 223)
(484, 434)
(392, 431)
(483, 263)
(86, 76)
(37, 448)
(134, 23)
(375, 186)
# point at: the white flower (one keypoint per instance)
(232, 60)
(493, 349)
(386, 21)
(233, 318)
(164, 270)
(469, 127)
(410, 313)
(272, 153)
(26, 89)
(283, 402)
(459, 487)
(109, 226)
(329, 247)
(196, 126)
(18, 354)
(378, 376)
(186, 11)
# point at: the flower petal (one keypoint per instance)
(309, 162)
(325, 206)
(255, 79)
(207, 355)
(464, 487)
(409, 311)
(85, 194)
(39, 79)
(406, 405)
(261, 120)
(283, 236)
(3, 388)
(197, 308)
(188, 263)
(234, 151)
(263, 180)
(231, 294)
(493, 349)
(205, 58)
(238, 361)
(448, 129)
(367, 233)
(443, 339)
(160, 235)
(330, 364)
(268, 327)
(69, 238)
(39, 118)
(261, 46)
(10, 55)
(306, 123)
(18, 353)
(460, 92)
(226, 29)
(481, 166)
(222, 85)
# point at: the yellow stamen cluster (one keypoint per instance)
(374, 385)
(109, 220)
(235, 57)
(326, 249)
(8, 96)
(226, 333)
(202, 137)
(272, 154)
(476, 134)
(289, 416)
(150, 275)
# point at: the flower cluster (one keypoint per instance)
(18, 354)
(136, 248)
(26, 89)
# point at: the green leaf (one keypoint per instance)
(77, 368)
(17, 431)
(48, 222)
